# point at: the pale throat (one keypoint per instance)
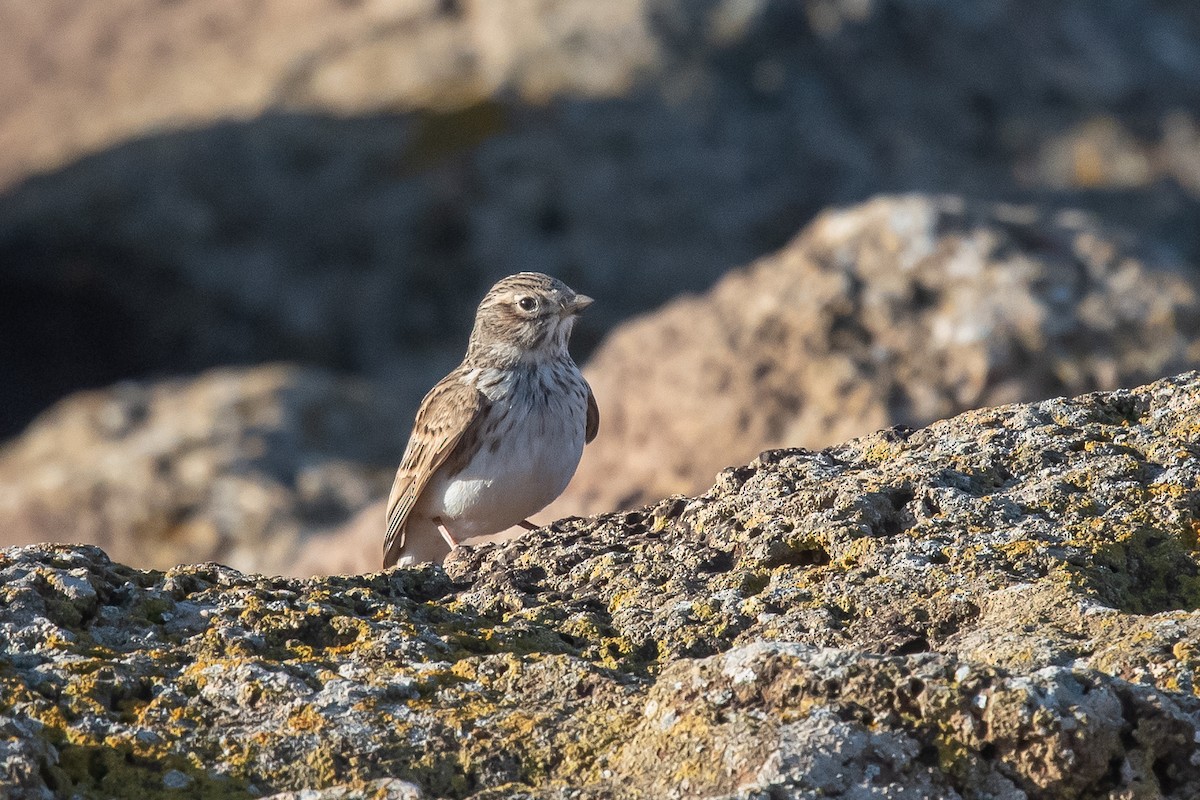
(551, 346)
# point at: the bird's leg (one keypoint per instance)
(445, 532)
(527, 525)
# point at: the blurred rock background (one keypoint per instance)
(334, 183)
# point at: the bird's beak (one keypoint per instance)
(577, 305)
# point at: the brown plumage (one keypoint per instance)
(498, 438)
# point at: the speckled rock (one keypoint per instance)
(382, 789)
(1001, 605)
(899, 311)
(236, 465)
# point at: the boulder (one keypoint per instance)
(899, 311)
(236, 465)
(1004, 604)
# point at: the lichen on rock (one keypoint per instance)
(1003, 604)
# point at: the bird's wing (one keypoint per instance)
(446, 428)
(593, 418)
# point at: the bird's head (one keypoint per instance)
(525, 317)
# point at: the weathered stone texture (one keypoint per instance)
(1001, 605)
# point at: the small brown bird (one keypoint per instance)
(498, 438)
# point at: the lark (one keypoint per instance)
(498, 439)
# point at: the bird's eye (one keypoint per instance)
(527, 303)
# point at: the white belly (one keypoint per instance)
(532, 465)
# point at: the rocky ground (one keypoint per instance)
(1001, 605)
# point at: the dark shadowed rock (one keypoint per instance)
(235, 465)
(899, 311)
(1001, 605)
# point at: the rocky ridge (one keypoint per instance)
(898, 311)
(1001, 605)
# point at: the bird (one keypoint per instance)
(499, 438)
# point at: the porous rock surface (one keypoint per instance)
(898, 311)
(1001, 605)
(235, 465)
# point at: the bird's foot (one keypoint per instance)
(442, 529)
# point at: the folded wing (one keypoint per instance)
(446, 427)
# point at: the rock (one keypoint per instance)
(237, 465)
(98, 81)
(765, 719)
(899, 311)
(1002, 605)
(337, 181)
(383, 789)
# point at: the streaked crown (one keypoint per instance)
(527, 316)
